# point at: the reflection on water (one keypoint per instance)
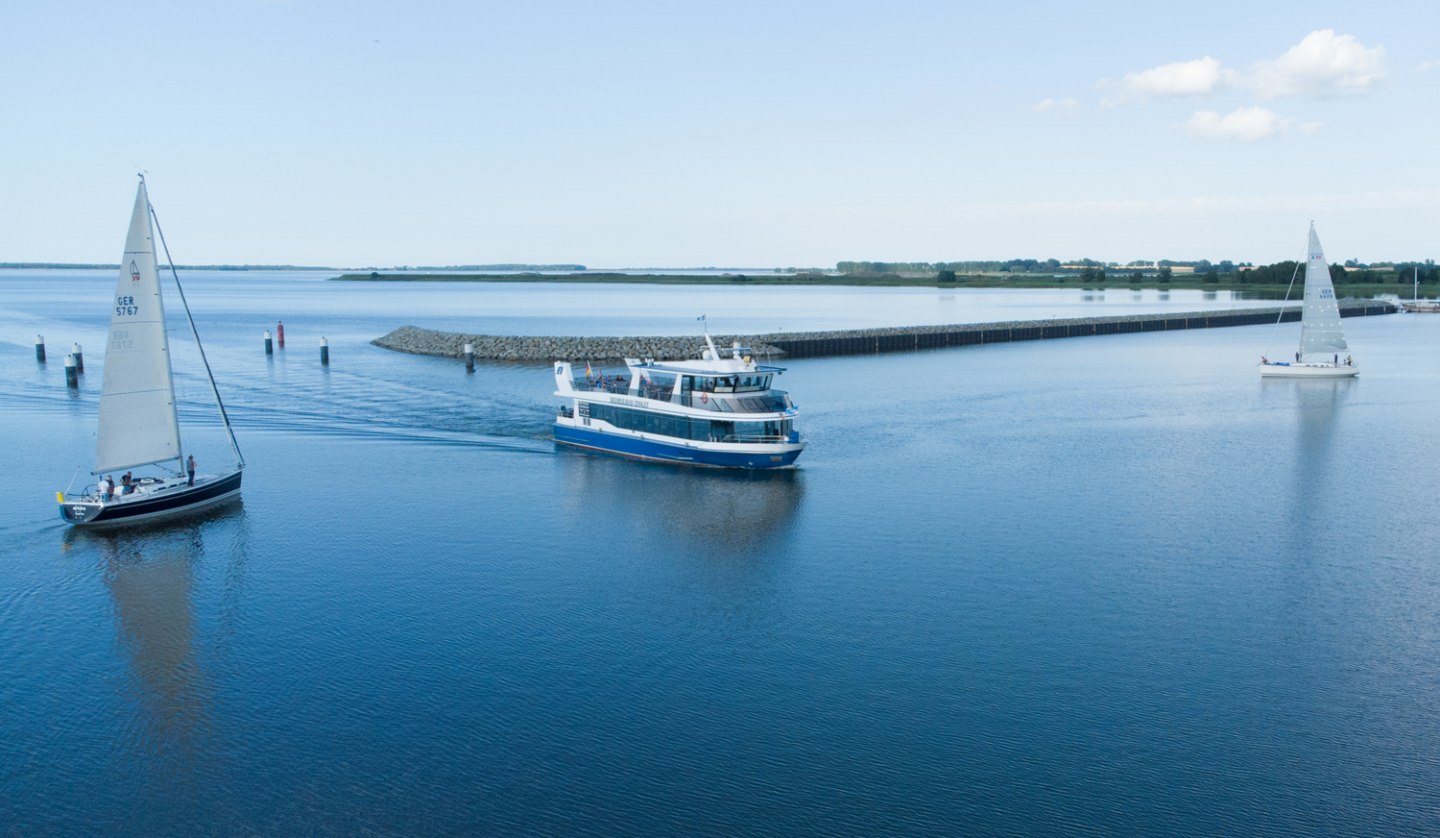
(1317, 406)
(150, 573)
(1317, 494)
(710, 509)
(151, 585)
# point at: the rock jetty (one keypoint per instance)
(419, 341)
(536, 349)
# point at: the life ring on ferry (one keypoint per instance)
(704, 398)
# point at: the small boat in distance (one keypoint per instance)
(138, 424)
(1322, 340)
(1418, 305)
(714, 411)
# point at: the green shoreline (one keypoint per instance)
(1277, 291)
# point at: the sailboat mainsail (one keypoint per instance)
(138, 422)
(1320, 331)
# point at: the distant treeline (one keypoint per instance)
(1402, 272)
(1023, 266)
(1203, 269)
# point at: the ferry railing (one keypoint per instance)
(617, 385)
(770, 402)
(751, 438)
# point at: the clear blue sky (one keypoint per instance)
(728, 133)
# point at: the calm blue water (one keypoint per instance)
(1097, 586)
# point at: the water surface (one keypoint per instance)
(1101, 585)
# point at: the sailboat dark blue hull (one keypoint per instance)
(143, 508)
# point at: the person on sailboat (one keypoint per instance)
(190, 469)
(107, 487)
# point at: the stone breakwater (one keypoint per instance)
(535, 349)
(546, 349)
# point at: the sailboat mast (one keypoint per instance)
(224, 417)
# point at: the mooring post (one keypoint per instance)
(269, 349)
(324, 352)
(72, 378)
(469, 357)
(40, 348)
(79, 358)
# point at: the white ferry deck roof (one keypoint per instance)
(708, 371)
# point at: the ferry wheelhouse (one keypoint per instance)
(715, 411)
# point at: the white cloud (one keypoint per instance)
(1059, 107)
(1244, 124)
(1182, 78)
(1427, 66)
(1322, 64)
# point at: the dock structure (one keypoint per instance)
(911, 338)
(544, 349)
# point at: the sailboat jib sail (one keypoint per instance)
(138, 423)
(1320, 331)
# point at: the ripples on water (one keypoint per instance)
(1112, 585)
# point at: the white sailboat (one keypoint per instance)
(1323, 352)
(138, 424)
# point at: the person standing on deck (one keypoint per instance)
(190, 469)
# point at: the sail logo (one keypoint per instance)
(134, 272)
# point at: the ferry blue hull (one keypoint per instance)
(649, 449)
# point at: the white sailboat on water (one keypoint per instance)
(138, 424)
(1418, 305)
(1323, 352)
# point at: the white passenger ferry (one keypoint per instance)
(715, 411)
